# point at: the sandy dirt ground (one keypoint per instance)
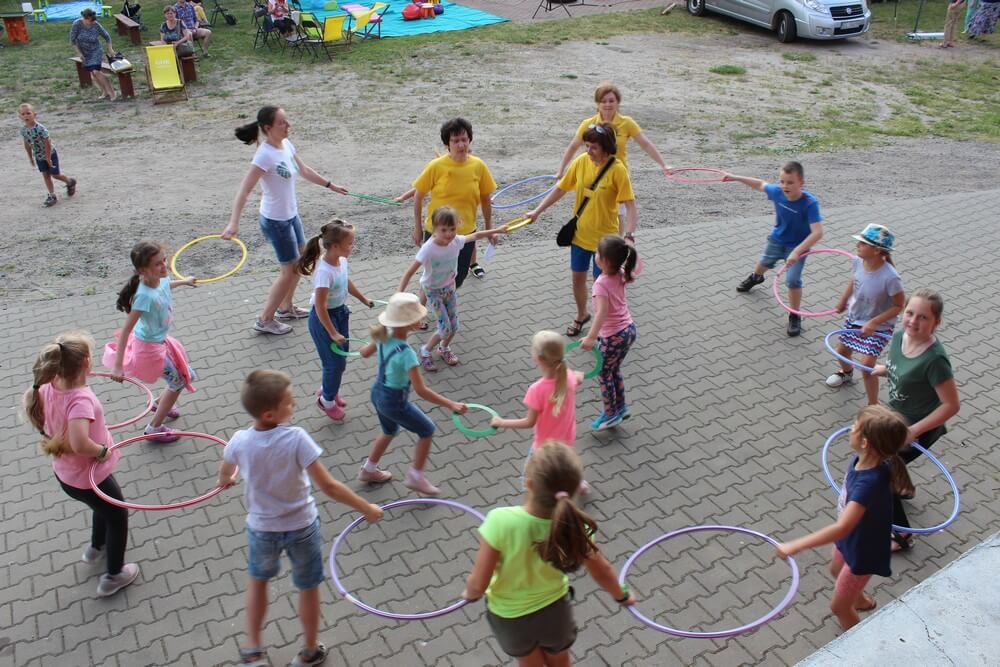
(170, 172)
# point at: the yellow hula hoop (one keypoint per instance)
(243, 259)
(517, 223)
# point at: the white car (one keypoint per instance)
(815, 19)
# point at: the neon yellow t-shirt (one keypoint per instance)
(460, 185)
(625, 129)
(522, 582)
(601, 215)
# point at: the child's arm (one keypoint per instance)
(846, 522)
(27, 149)
(549, 200)
(406, 195)
(227, 474)
(898, 301)
(323, 315)
(528, 421)
(367, 350)
(947, 393)
(320, 476)
(356, 293)
(755, 183)
(428, 394)
(240, 201)
(405, 280)
(484, 233)
(187, 282)
(604, 575)
(48, 151)
(815, 234)
(845, 297)
(118, 373)
(78, 434)
(600, 314)
(482, 571)
(418, 218)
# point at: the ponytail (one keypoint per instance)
(307, 261)
(551, 349)
(142, 255)
(378, 332)
(67, 358)
(330, 234)
(127, 293)
(619, 255)
(562, 385)
(631, 258)
(250, 133)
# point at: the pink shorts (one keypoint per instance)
(849, 585)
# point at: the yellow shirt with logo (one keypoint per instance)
(625, 129)
(600, 217)
(460, 185)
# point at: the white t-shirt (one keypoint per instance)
(440, 262)
(334, 278)
(276, 486)
(278, 183)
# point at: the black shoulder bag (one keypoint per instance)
(565, 236)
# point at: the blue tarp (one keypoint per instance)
(455, 17)
(70, 11)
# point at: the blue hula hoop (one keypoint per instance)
(848, 360)
(933, 459)
(496, 195)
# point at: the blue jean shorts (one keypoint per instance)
(44, 167)
(580, 260)
(395, 410)
(286, 237)
(774, 251)
(304, 548)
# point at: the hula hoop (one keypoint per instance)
(374, 198)
(805, 313)
(155, 508)
(243, 259)
(933, 459)
(378, 612)
(718, 178)
(380, 302)
(516, 224)
(781, 606)
(344, 353)
(149, 400)
(849, 360)
(473, 433)
(496, 195)
(598, 359)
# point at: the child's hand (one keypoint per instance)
(630, 601)
(868, 329)
(579, 376)
(841, 305)
(373, 513)
(337, 338)
(190, 281)
(726, 177)
(460, 408)
(495, 422)
(587, 343)
(367, 351)
(467, 596)
(793, 257)
(118, 374)
(879, 370)
(785, 550)
(226, 482)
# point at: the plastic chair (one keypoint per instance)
(163, 74)
(37, 15)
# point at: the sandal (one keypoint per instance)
(869, 607)
(254, 657)
(577, 326)
(901, 541)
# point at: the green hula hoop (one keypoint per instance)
(344, 353)
(598, 358)
(473, 433)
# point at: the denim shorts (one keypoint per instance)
(395, 410)
(304, 548)
(580, 260)
(44, 167)
(286, 237)
(774, 251)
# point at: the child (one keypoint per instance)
(798, 226)
(70, 419)
(524, 555)
(864, 514)
(398, 369)
(329, 324)
(440, 256)
(143, 349)
(277, 463)
(873, 300)
(42, 153)
(619, 264)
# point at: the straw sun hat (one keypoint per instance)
(403, 310)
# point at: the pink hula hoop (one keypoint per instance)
(718, 178)
(777, 276)
(154, 508)
(149, 401)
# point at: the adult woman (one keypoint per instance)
(275, 164)
(172, 31)
(921, 387)
(984, 21)
(600, 216)
(85, 36)
(279, 13)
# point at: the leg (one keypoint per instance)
(48, 182)
(561, 659)
(309, 617)
(333, 364)
(795, 298)
(61, 177)
(104, 84)
(847, 352)
(421, 452)
(379, 446)
(281, 292)
(256, 609)
(580, 295)
(464, 259)
(112, 518)
(206, 38)
(534, 659)
(847, 593)
(871, 382)
(450, 302)
(166, 401)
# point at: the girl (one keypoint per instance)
(524, 555)
(275, 165)
(864, 514)
(70, 419)
(439, 257)
(619, 266)
(873, 299)
(328, 319)
(143, 348)
(398, 369)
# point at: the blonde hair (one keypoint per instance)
(25, 107)
(551, 349)
(379, 332)
(445, 216)
(66, 358)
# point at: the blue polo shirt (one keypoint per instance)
(867, 549)
(792, 218)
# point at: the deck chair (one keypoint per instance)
(374, 28)
(163, 74)
(361, 23)
(334, 34)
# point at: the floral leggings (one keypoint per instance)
(614, 348)
(444, 304)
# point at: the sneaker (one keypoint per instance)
(334, 412)
(272, 327)
(749, 282)
(839, 378)
(584, 488)
(377, 476)
(168, 435)
(794, 325)
(420, 484)
(428, 363)
(92, 555)
(112, 583)
(50, 201)
(603, 421)
(478, 271)
(71, 187)
(294, 313)
(173, 413)
(306, 658)
(625, 412)
(336, 399)
(448, 356)
(254, 657)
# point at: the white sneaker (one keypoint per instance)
(91, 555)
(272, 327)
(839, 378)
(112, 583)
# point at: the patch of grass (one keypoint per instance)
(799, 56)
(728, 70)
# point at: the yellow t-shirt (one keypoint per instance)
(460, 185)
(625, 129)
(601, 215)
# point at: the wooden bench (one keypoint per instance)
(124, 24)
(124, 78)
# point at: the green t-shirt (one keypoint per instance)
(522, 582)
(912, 381)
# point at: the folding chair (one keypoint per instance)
(374, 28)
(360, 24)
(297, 40)
(550, 5)
(220, 10)
(265, 30)
(334, 34)
(163, 74)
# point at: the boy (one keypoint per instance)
(42, 153)
(277, 462)
(798, 226)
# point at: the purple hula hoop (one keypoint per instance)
(771, 615)
(386, 614)
(855, 332)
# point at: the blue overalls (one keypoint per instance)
(393, 405)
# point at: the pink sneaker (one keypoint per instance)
(336, 399)
(420, 484)
(584, 488)
(334, 412)
(377, 476)
(448, 356)
(168, 435)
(173, 413)
(428, 363)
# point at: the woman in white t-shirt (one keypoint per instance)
(275, 165)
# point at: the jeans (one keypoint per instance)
(774, 251)
(286, 237)
(304, 548)
(333, 363)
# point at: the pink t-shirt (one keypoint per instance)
(612, 288)
(61, 406)
(561, 427)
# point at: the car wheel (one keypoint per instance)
(696, 7)
(784, 24)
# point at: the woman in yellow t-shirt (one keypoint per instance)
(600, 217)
(524, 555)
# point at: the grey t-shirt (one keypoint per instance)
(873, 292)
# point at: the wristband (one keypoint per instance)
(104, 453)
(625, 595)
(328, 184)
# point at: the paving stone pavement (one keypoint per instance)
(729, 416)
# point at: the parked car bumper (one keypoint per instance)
(817, 26)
